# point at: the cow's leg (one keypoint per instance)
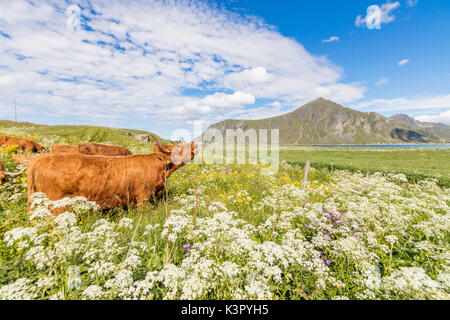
(141, 201)
(159, 191)
(143, 197)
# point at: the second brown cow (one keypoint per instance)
(27, 145)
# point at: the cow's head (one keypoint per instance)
(177, 154)
(40, 148)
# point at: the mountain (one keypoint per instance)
(325, 122)
(438, 130)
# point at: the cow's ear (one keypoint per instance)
(158, 146)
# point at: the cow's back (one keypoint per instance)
(63, 148)
(102, 149)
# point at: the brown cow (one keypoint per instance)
(26, 145)
(22, 159)
(4, 174)
(109, 181)
(102, 149)
(60, 148)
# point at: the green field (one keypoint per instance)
(416, 164)
(413, 162)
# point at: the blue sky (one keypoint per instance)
(420, 33)
(161, 65)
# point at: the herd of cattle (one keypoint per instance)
(109, 175)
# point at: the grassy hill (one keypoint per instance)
(325, 122)
(47, 135)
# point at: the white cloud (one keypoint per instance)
(403, 62)
(443, 117)
(382, 81)
(226, 100)
(405, 104)
(215, 104)
(141, 60)
(386, 15)
(331, 39)
(253, 75)
(271, 110)
(276, 105)
(339, 92)
(412, 3)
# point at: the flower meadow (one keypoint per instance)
(229, 232)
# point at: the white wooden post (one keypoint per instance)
(306, 174)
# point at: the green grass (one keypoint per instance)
(416, 164)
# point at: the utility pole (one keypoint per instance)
(15, 110)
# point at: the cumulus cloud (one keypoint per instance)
(403, 62)
(412, 3)
(385, 12)
(144, 60)
(229, 100)
(331, 39)
(443, 117)
(253, 75)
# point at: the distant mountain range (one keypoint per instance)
(325, 122)
(438, 131)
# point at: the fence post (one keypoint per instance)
(306, 174)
